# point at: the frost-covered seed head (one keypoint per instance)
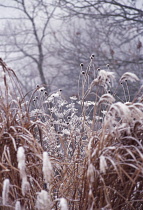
(41, 89)
(108, 98)
(21, 161)
(92, 56)
(104, 78)
(90, 193)
(25, 186)
(63, 204)
(103, 164)
(129, 76)
(43, 201)
(20, 154)
(17, 205)
(91, 172)
(5, 192)
(47, 167)
(119, 109)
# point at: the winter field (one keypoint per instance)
(81, 153)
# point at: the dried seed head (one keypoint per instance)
(43, 201)
(25, 186)
(22, 166)
(63, 204)
(47, 167)
(17, 205)
(92, 56)
(21, 161)
(119, 110)
(136, 111)
(90, 193)
(41, 89)
(108, 98)
(104, 78)
(91, 172)
(103, 164)
(129, 76)
(5, 192)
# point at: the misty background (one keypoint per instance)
(46, 41)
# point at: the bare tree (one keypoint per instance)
(27, 35)
(128, 10)
(125, 17)
(111, 30)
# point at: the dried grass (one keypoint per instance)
(92, 169)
